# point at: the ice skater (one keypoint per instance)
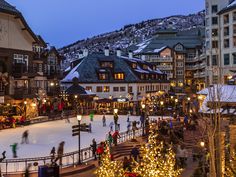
(25, 137)
(3, 156)
(104, 120)
(52, 154)
(14, 149)
(60, 152)
(111, 126)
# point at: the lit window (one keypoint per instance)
(106, 89)
(119, 76)
(103, 76)
(88, 88)
(99, 89)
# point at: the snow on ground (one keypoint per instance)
(44, 136)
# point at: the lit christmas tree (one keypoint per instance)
(155, 162)
(108, 167)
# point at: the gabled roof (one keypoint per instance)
(11, 10)
(228, 8)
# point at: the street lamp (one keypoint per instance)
(202, 144)
(176, 101)
(79, 117)
(116, 118)
(143, 117)
(25, 107)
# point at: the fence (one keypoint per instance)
(11, 166)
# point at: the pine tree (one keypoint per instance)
(155, 161)
(108, 167)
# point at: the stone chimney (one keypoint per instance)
(143, 57)
(130, 54)
(85, 52)
(106, 51)
(118, 52)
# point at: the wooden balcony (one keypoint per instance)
(24, 92)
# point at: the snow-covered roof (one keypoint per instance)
(72, 74)
(232, 4)
(68, 69)
(159, 50)
(222, 93)
(142, 46)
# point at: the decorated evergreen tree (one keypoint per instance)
(108, 167)
(155, 161)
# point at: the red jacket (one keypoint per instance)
(100, 150)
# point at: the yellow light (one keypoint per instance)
(51, 84)
(79, 117)
(171, 97)
(115, 111)
(162, 103)
(230, 77)
(202, 144)
(190, 110)
(188, 98)
(25, 102)
(34, 104)
(143, 106)
(76, 96)
(44, 100)
(176, 100)
(200, 97)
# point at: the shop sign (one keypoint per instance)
(1, 99)
(121, 99)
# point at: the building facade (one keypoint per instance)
(220, 40)
(118, 78)
(176, 54)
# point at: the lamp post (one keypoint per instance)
(188, 105)
(162, 104)
(25, 107)
(79, 117)
(76, 104)
(143, 118)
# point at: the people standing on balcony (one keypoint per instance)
(25, 137)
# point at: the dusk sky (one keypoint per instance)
(61, 22)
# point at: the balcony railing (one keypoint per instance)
(165, 67)
(25, 92)
(199, 75)
(160, 59)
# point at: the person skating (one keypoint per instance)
(94, 148)
(52, 154)
(91, 115)
(104, 120)
(14, 149)
(25, 137)
(115, 136)
(128, 126)
(100, 151)
(3, 156)
(60, 152)
(111, 126)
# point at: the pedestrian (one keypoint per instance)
(60, 152)
(91, 115)
(111, 126)
(142, 118)
(104, 120)
(3, 156)
(128, 126)
(14, 149)
(90, 127)
(25, 137)
(27, 174)
(128, 118)
(126, 164)
(109, 139)
(116, 119)
(185, 121)
(134, 153)
(100, 151)
(115, 137)
(52, 154)
(94, 148)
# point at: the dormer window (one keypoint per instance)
(106, 64)
(134, 65)
(119, 76)
(145, 67)
(179, 47)
(103, 76)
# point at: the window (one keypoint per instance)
(40, 67)
(234, 41)
(103, 76)
(134, 65)
(122, 89)
(115, 89)
(208, 60)
(214, 60)
(179, 72)
(226, 59)
(99, 89)
(214, 21)
(106, 89)
(19, 58)
(179, 56)
(214, 32)
(214, 44)
(179, 64)
(214, 9)
(234, 58)
(145, 67)
(106, 64)
(130, 89)
(119, 76)
(234, 29)
(191, 55)
(226, 43)
(207, 21)
(226, 31)
(179, 47)
(89, 88)
(226, 18)
(234, 16)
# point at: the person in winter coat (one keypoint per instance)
(110, 139)
(25, 137)
(14, 149)
(94, 148)
(52, 154)
(60, 152)
(100, 151)
(111, 126)
(104, 120)
(134, 153)
(115, 136)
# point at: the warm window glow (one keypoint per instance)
(103, 76)
(106, 89)
(119, 76)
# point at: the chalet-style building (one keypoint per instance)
(176, 54)
(117, 78)
(27, 67)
